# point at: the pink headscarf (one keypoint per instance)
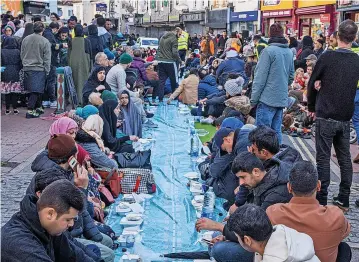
(62, 125)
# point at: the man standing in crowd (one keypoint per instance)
(259, 45)
(102, 32)
(168, 59)
(183, 41)
(222, 40)
(337, 89)
(273, 74)
(36, 60)
(50, 93)
(71, 23)
(195, 42)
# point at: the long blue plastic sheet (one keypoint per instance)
(169, 218)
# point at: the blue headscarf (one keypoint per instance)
(86, 111)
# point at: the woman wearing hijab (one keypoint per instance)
(29, 29)
(95, 83)
(10, 79)
(96, 41)
(79, 59)
(64, 125)
(85, 112)
(109, 112)
(8, 30)
(89, 137)
(130, 116)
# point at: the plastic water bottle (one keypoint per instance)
(208, 204)
(130, 241)
(194, 143)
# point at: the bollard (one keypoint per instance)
(60, 90)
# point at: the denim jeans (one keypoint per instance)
(271, 117)
(344, 252)
(227, 251)
(330, 132)
(356, 113)
(105, 246)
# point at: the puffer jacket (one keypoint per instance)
(222, 179)
(239, 103)
(207, 86)
(85, 224)
(98, 157)
(230, 65)
(139, 64)
(188, 89)
(10, 58)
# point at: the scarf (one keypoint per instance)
(94, 127)
(278, 40)
(132, 122)
(62, 125)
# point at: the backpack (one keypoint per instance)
(236, 46)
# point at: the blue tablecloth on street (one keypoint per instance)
(169, 219)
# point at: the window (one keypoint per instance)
(59, 11)
(70, 12)
(150, 42)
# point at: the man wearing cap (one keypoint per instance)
(273, 74)
(311, 59)
(232, 64)
(228, 143)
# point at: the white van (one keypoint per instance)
(145, 42)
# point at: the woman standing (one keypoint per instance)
(79, 59)
(95, 83)
(109, 112)
(8, 30)
(96, 41)
(131, 118)
(10, 85)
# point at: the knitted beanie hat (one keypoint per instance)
(220, 135)
(86, 111)
(234, 86)
(125, 59)
(276, 30)
(307, 41)
(61, 146)
(107, 95)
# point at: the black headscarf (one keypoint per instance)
(10, 43)
(109, 117)
(92, 30)
(79, 30)
(93, 82)
(293, 42)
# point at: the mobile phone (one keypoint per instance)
(73, 163)
(207, 241)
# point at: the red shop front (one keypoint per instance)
(316, 20)
(284, 17)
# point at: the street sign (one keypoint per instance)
(101, 7)
(325, 18)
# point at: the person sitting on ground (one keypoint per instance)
(267, 185)
(233, 42)
(207, 84)
(30, 234)
(109, 112)
(100, 60)
(131, 118)
(187, 90)
(229, 143)
(85, 112)
(111, 59)
(232, 64)
(95, 99)
(95, 83)
(255, 233)
(108, 95)
(139, 64)
(89, 137)
(326, 225)
(304, 52)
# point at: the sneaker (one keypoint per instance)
(53, 104)
(16, 112)
(7, 112)
(40, 111)
(149, 114)
(46, 104)
(207, 120)
(32, 114)
(150, 124)
(343, 205)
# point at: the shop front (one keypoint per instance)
(194, 23)
(217, 20)
(244, 21)
(349, 9)
(278, 11)
(316, 18)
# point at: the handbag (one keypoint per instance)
(136, 180)
(106, 195)
(134, 160)
(204, 169)
(110, 179)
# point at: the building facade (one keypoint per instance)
(245, 16)
(349, 9)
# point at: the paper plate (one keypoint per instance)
(192, 175)
(202, 132)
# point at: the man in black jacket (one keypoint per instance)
(333, 107)
(29, 235)
(267, 183)
(49, 99)
(222, 40)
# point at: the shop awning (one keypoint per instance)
(313, 10)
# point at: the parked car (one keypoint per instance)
(145, 42)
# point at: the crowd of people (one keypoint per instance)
(277, 203)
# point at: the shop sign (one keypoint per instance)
(174, 16)
(101, 7)
(146, 18)
(308, 3)
(347, 3)
(159, 17)
(279, 13)
(325, 18)
(244, 16)
(269, 5)
(192, 17)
